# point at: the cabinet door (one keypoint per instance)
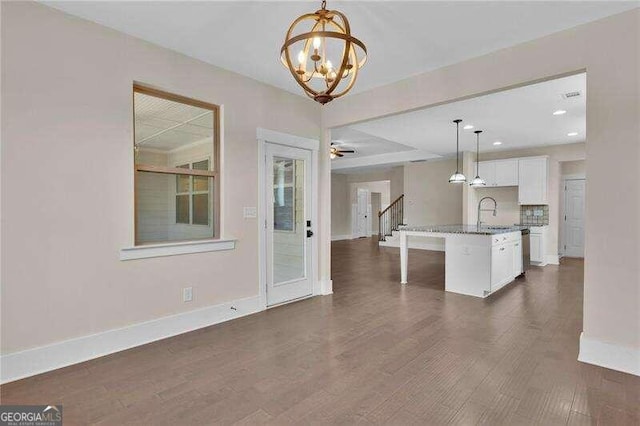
(536, 247)
(487, 171)
(532, 181)
(501, 265)
(517, 258)
(506, 173)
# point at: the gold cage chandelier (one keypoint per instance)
(325, 34)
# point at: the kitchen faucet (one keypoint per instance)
(494, 210)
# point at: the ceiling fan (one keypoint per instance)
(336, 152)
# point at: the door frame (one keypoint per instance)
(264, 137)
(563, 195)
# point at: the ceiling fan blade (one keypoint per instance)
(346, 150)
(339, 155)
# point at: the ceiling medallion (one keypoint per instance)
(315, 38)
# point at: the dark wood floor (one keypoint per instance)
(374, 352)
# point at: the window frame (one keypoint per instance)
(214, 161)
(191, 192)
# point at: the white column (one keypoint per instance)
(404, 256)
(324, 213)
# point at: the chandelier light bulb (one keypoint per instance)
(329, 66)
(302, 58)
(316, 43)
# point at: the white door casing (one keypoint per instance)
(574, 217)
(288, 206)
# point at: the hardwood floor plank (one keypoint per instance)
(374, 352)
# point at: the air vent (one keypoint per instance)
(570, 95)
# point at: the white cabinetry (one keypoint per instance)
(506, 259)
(517, 258)
(538, 240)
(506, 172)
(478, 264)
(501, 265)
(487, 171)
(499, 172)
(532, 180)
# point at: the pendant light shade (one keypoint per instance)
(457, 177)
(477, 181)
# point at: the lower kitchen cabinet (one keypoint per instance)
(517, 258)
(538, 240)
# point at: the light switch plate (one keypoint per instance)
(250, 212)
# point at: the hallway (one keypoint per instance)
(374, 352)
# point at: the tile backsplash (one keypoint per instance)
(534, 215)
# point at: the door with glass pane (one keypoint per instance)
(288, 226)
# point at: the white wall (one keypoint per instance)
(340, 207)
(576, 168)
(67, 119)
(429, 197)
(609, 51)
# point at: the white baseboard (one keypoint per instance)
(326, 287)
(19, 365)
(414, 245)
(341, 237)
(552, 259)
(608, 355)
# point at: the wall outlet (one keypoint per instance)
(187, 294)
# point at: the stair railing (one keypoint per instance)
(391, 218)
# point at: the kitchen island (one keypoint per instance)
(478, 260)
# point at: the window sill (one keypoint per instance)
(175, 249)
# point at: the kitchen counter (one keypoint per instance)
(478, 261)
(464, 229)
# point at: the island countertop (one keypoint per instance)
(464, 229)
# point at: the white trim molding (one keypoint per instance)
(552, 259)
(326, 287)
(266, 135)
(414, 243)
(18, 365)
(608, 355)
(341, 237)
(174, 249)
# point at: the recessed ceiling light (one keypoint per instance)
(572, 134)
(559, 112)
(497, 143)
(468, 127)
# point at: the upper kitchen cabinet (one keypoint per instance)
(500, 172)
(532, 180)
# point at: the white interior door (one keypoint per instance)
(574, 218)
(288, 224)
(363, 213)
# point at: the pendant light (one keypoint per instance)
(457, 177)
(477, 181)
(317, 37)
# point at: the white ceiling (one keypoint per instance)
(519, 118)
(165, 125)
(403, 38)
(364, 144)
